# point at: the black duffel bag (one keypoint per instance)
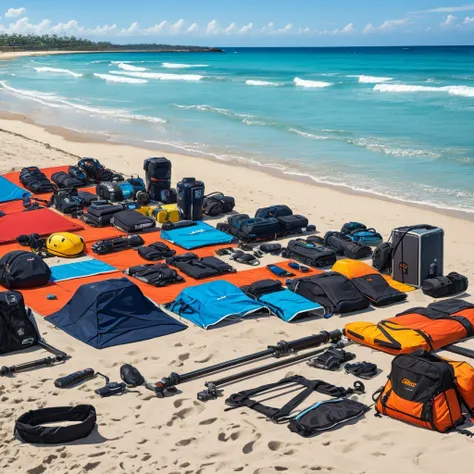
(65, 180)
(17, 330)
(442, 286)
(292, 224)
(132, 221)
(215, 204)
(310, 253)
(343, 245)
(35, 180)
(256, 229)
(280, 210)
(22, 270)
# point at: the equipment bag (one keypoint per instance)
(101, 210)
(106, 246)
(87, 197)
(443, 286)
(310, 253)
(115, 191)
(332, 290)
(96, 172)
(215, 204)
(292, 224)
(382, 257)
(17, 330)
(344, 246)
(23, 270)
(311, 421)
(359, 233)
(421, 390)
(65, 180)
(67, 201)
(190, 199)
(163, 215)
(199, 268)
(158, 274)
(252, 230)
(35, 180)
(132, 221)
(158, 178)
(156, 251)
(274, 211)
(377, 290)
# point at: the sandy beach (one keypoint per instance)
(138, 433)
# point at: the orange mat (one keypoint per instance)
(12, 207)
(36, 299)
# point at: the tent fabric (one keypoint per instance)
(84, 268)
(355, 269)
(198, 235)
(288, 305)
(42, 222)
(10, 191)
(210, 303)
(111, 313)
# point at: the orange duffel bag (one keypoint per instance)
(425, 390)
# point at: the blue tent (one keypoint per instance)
(113, 312)
(10, 191)
(198, 235)
(210, 303)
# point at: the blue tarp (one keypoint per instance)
(210, 303)
(198, 235)
(113, 312)
(288, 305)
(85, 268)
(10, 191)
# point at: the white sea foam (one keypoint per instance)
(129, 67)
(120, 79)
(161, 76)
(312, 136)
(58, 71)
(372, 79)
(252, 82)
(55, 101)
(463, 91)
(182, 66)
(217, 110)
(306, 83)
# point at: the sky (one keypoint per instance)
(247, 22)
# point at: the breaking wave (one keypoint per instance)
(463, 91)
(306, 83)
(182, 66)
(372, 79)
(129, 67)
(252, 82)
(58, 71)
(121, 79)
(161, 76)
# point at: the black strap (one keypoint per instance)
(281, 414)
(31, 430)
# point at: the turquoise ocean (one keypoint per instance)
(394, 122)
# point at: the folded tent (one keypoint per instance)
(113, 312)
(281, 301)
(210, 303)
(199, 234)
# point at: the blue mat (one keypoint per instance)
(195, 236)
(85, 268)
(10, 191)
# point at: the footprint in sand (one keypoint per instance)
(183, 357)
(36, 470)
(185, 442)
(248, 448)
(185, 412)
(179, 402)
(204, 359)
(274, 445)
(208, 421)
(90, 466)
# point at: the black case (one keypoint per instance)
(190, 199)
(280, 210)
(293, 223)
(310, 254)
(442, 286)
(217, 203)
(132, 221)
(104, 210)
(157, 177)
(254, 229)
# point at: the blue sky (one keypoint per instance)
(247, 22)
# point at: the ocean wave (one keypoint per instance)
(58, 71)
(58, 102)
(161, 76)
(463, 91)
(182, 66)
(306, 83)
(312, 136)
(217, 110)
(252, 82)
(129, 67)
(372, 79)
(120, 79)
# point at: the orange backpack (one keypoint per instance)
(428, 391)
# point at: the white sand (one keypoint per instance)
(140, 434)
(7, 55)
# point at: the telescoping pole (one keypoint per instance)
(167, 385)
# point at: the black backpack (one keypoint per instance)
(67, 201)
(35, 180)
(22, 270)
(382, 257)
(96, 172)
(17, 331)
(280, 210)
(217, 203)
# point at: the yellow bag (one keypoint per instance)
(143, 210)
(163, 215)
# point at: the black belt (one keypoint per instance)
(29, 426)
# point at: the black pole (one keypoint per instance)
(212, 391)
(167, 384)
(459, 350)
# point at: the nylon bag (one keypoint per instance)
(23, 270)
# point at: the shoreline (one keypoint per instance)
(81, 137)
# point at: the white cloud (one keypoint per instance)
(349, 28)
(387, 25)
(304, 31)
(453, 9)
(246, 29)
(193, 28)
(177, 27)
(133, 29)
(285, 29)
(449, 21)
(14, 12)
(468, 20)
(232, 28)
(268, 28)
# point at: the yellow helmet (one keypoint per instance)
(65, 244)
